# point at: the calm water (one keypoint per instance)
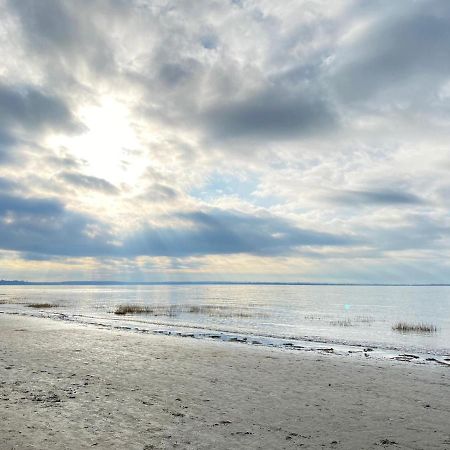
(334, 314)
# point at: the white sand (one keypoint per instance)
(69, 386)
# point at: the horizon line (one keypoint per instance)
(203, 282)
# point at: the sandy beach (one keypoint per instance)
(65, 385)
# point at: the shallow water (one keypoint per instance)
(350, 315)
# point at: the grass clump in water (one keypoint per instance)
(132, 309)
(313, 317)
(13, 301)
(218, 311)
(342, 323)
(174, 310)
(42, 305)
(406, 327)
(364, 319)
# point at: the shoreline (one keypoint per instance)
(65, 385)
(300, 344)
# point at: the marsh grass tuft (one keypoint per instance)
(42, 305)
(342, 323)
(364, 319)
(174, 310)
(421, 327)
(132, 309)
(313, 317)
(13, 301)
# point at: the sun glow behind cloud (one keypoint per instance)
(109, 144)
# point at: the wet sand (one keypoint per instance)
(64, 385)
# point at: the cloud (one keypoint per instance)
(35, 206)
(173, 74)
(419, 232)
(159, 192)
(271, 114)
(44, 226)
(401, 50)
(382, 197)
(63, 161)
(7, 185)
(6, 142)
(32, 109)
(88, 182)
(64, 34)
(227, 232)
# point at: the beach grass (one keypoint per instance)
(174, 310)
(342, 323)
(132, 309)
(347, 322)
(13, 301)
(406, 327)
(42, 305)
(313, 317)
(364, 319)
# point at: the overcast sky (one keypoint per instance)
(225, 140)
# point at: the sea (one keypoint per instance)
(339, 319)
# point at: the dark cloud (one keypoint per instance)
(89, 182)
(227, 97)
(419, 232)
(65, 161)
(402, 51)
(173, 74)
(64, 34)
(227, 232)
(275, 113)
(44, 226)
(33, 109)
(7, 185)
(375, 198)
(6, 142)
(34, 206)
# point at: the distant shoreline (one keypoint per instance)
(202, 283)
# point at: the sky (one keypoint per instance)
(225, 140)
